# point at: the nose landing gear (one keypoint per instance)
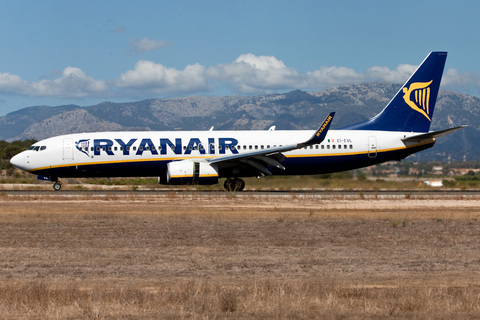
(57, 186)
(234, 184)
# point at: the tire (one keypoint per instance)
(234, 185)
(239, 185)
(57, 186)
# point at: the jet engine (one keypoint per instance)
(191, 172)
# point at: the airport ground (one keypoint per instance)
(255, 256)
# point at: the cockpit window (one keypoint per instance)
(31, 148)
(43, 148)
(36, 148)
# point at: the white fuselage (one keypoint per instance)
(147, 153)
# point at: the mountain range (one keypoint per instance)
(292, 110)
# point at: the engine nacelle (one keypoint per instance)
(191, 172)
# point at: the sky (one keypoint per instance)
(86, 52)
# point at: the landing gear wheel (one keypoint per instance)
(57, 186)
(239, 185)
(234, 184)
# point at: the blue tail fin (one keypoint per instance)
(412, 107)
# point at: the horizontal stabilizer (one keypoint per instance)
(433, 134)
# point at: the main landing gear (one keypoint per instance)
(234, 184)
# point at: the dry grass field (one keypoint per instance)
(200, 256)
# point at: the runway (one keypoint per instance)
(304, 192)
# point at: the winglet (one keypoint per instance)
(321, 132)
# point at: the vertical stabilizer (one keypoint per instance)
(412, 107)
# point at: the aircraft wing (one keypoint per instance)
(273, 156)
(432, 135)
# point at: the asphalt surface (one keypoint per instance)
(160, 192)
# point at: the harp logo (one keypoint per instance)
(417, 96)
(82, 145)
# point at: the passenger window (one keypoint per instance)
(128, 148)
(345, 146)
(333, 146)
(147, 148)
(339, 146)
(79, 148)
(311, 147)
(328, 146)
(256, 147)
(134, 148)
(351, 146)
(239, 147)
(316, 146)
(195, 148)
(250, 147)
(104, 149)
(268, 146)
(323, 147)
(261, 147)
(153, 148)
(121, 148)
(159, 148)
(189, 148)
(212, 147)
(109, 148)
(219, 147)
(139, 148)
(244, 147)
(98, 148)
(91, 148)
(201, 147)
(114, 148)
(172, 147)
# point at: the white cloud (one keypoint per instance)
(252, 74)
(155, 78)
(248, 74)
(139, 46)
(467, 82)
(262, 74)
(331, 76)
(399, 75)
(72, 84)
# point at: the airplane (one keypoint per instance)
(203, 157)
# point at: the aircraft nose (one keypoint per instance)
(18, 161)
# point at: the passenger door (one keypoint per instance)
(67, 149)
